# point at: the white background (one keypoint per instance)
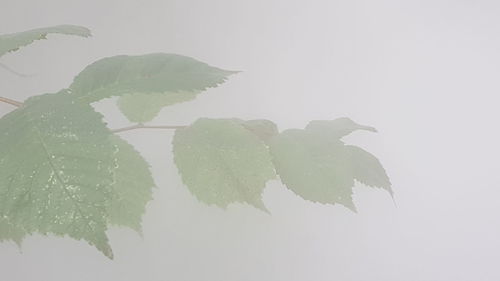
(425, 73)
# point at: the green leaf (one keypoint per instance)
(367, 169)
(141, 108)
(12, 42)
(313, 167)
(133, 186)
(56, 169)
(221, 162)
(337, 128)
(146, 74)
(319, 167)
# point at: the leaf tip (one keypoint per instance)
(260, 206)
(368, 128)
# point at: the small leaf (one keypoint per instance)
(146, 74)
(319, 167)
(56, 169)
(133, 186)
(367, 169)
(315, 168)
(337, 128)
(141, 108)
(221, 162)
(12, 42)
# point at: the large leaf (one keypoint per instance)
(221, 162)
(318, 166)
(12, 42)
(56, 169)
(146, 74)
(142, 108)
(133, 186)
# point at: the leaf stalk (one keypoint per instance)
(11, 102)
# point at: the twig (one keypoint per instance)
(14, 72)
(12, 102)
(142, 126)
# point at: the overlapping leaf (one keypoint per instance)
(336, 129)
(167, 74)
(132, 186)
(12, 42)
(262, 128)
(318, 166)
(314, 168)
(367, 169)
(56, 170)
(222, 162)
(142, 108)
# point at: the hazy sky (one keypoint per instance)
(424, 73)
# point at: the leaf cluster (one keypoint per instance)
(64, 172)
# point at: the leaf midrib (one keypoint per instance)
(58, 177)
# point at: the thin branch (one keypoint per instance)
(142, 126)
(12, 102)
(14, 72)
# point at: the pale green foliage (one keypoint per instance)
(62, 171)
(318, 166)
(146, 74)
(367, 169)
(133, 186)
(336, 129)
(313, 167)
(56, 169)
(145, 107)
(221, 162)
(12, 42)
(214, 158)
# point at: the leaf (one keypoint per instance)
(319, 167)
(140, 108)
(337, 128)
(313, 167)
(367, 169)
(12, 42)
(146, 74)
(56, 169)
(133, 186)
(221, 162)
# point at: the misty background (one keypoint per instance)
(424, 73)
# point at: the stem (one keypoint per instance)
(12, 102)
(142, 126)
